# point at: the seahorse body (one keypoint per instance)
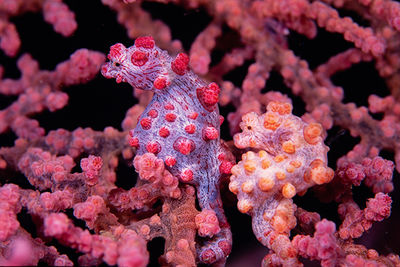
(181, 125)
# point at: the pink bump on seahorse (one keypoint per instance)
(181, 125)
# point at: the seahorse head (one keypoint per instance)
(141, 65)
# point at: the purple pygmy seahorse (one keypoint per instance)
(181, 125)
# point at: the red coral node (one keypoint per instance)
(134, 142)
(225, 167)
(139, 58)
(163, 132)
(208, 96)
(160, 83)
(184, 145)
(221, 119)
(208, 256)
(210, 133)
(145, 123)
(190, 129)
(193, 115)
(180, 64)
(170, 161)
(153, 113)
(116, 52)
(187, 175)
(170, 117)
(169, 106)
(145, 42)
(225, 246)
(153, 147)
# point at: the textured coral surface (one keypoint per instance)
(199, 132)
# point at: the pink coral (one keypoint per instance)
(207, 223)
(89, 210)
(9, 207)
(322, 246)
(91, 167)
(161, 183)
(58, 225)
(357, 221)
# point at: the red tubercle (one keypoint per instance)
(208, 256)
(104, 70)
(193, 115)
(221, 119)
(153, 147)
(116, 51)
(184, 145)
(139, 58)
(145, 123)
(134, 142)
(169, 106)
(187, 175)
(163, 132)
(208, 96)
(211, 94)
(153, 113)
(225, 246)
(119, 79)
(180, 64)
(156, 105)
(190, 129)
(170, 117)
(170, 161)
(210, 133)
(160, 83)
(145, 42)
(225, 167)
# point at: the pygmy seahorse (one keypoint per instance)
(181, 125)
